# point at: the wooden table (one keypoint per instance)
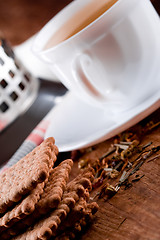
(133, 214)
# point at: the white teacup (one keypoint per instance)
(114, 61)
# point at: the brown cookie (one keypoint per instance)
(48, 225)
(69, 231)
(22, 209)
(55, 187)
(24, 176)
(53, 191)
(74, 215)
(85, 178)
(45, 228)
(50, 197)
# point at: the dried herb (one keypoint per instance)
(151, 125)
(108, 190)
(125, 143)
(116, 163)
(121, 146)
(147, 154)
(97, 183)
(138, 163)
(154, 158)
(82, 163)
(109, 152)
(133, 148)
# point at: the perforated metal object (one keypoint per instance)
(18, 89)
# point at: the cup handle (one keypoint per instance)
(87, 74)
(82, 62)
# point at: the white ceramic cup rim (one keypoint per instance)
(48, 30)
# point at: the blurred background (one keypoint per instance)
(20, 19)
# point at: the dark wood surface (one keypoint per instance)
(20, 19)
(133, 214)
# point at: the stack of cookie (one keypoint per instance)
(36, 200)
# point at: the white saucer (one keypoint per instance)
(76, 124)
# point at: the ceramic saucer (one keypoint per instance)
(75, 124)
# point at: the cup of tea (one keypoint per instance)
(107, 52)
